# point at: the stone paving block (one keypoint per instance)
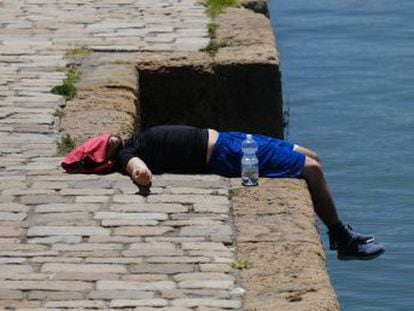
(6, 270)
(120, 294)
(92, 199)
(47, 285)
(65, 219)
(55, 239)
(9, 241)
(11, 260)
(19, 304)
(194, 292)
(55, 259)
(96, 253)
(131, 216)
(156, 208)
(22, 192)
(211, 208)
(203, 276)
(93, 192)
(52, 295)
(192, 222)
(142, 231)
(213, 267)
(84, 276)
(27, 277)
(178, 259)
(98, 184)
(153, 249)
(63, 230)
(10, 294)
(174, 239)
(214, 254)
(113, 239)
(189, 190)
(77, 304)
(163, 268)
(44, 199)
(128, 199)
(66, 207)
(204, 246)
(12, 184)
(206, 230)
(17, 217)
(23, 247)
(140, 286)
(49, 185)
(27, 253)
(87, 247)
(126, 222)
(206, 302)
(113, 260)
(11, 231)
(144, 277)
(13, 208)
(155, 302)
(189, 198)
(216, 284)
(84, 268)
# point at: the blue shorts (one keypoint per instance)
(276, 157)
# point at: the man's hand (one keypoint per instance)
(142, 176)
(139, 172)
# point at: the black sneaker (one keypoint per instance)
(363, 238)
(356, 250)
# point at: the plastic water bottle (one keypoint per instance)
(249, 162)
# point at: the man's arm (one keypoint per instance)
(139, 171)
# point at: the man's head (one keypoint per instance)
(114, 144)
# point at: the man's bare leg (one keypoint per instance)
(350, 245)
(321, 196)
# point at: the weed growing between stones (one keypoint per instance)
(65, 145)
(68, 88)
(231, 194)
(241, 264)
(81, 51)
(212, 29)
(215, 7)
(212, 47)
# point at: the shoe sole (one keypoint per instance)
(373, 256)
(334, 247)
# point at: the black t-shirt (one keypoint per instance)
(168, 149)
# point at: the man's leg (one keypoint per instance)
(321, 196)
(350, 245)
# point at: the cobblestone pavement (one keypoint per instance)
(89, 242)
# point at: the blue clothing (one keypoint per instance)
(276, 157)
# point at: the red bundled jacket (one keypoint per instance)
(90, 157)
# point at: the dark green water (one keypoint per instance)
(348, 81)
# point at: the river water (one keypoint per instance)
(348, 82)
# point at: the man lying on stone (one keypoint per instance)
(190, 150)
